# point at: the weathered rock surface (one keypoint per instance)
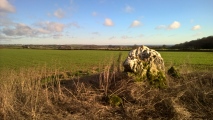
(145, 62)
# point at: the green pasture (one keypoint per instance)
(70, 60)
(74, 60)
(201, 60)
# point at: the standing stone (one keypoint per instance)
(145, 62)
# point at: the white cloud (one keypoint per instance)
(135, 23)
(128, 9)
(42, 31)
(174, 25)
(5, 6)
(196, 27)
(24, 30)
(8, 31)
(19, 30)
(42, 28)
(59, 13)
(4, 38)
(52, 26)
(108, 22)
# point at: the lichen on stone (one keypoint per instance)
(147, 64)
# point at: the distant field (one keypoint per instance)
(72, 60)
(62, 59)
(201, 60)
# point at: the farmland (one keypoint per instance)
(72, 60)
(66, 60)
(39, 84)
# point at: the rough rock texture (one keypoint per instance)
(145, 62)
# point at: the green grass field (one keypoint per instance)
(200, 60)
(73, 60)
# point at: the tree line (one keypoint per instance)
(203, 43)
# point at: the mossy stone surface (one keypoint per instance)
(174, 72)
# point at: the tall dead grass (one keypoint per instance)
(40, 93)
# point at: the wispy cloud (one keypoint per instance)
(95, 33)
(94, 13)
(6, 39)
(57, 36)
(113, 37)
(196, 27)
(161, 27)
(135, 23)
(59, 13)
(125, 37)
(74, 24)
(5, 21)
(128, 9)
(197, 34)
(52, 26)
(102, 1)
(71, 1)
(174, 25)
(108, 22)
(141, 35)
(192, 20)
(42, 31)
(5, 6)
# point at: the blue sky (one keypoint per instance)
(104, 22)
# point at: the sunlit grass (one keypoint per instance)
(67, 60)
(74, 60)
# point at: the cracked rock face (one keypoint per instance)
(141, 59)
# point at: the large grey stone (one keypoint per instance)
(145, 62)
(140, 56)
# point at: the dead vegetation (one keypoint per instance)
(110, 94)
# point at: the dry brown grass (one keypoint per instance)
(32, 94)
